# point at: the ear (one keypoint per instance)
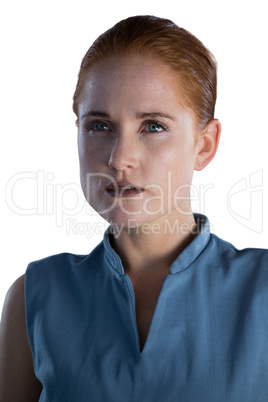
(207, 144)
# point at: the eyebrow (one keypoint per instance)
(154, 115)
(95, 113)
(140, 115)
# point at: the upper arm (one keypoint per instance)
(17, 379)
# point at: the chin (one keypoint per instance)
(126, 221)
(131, 221)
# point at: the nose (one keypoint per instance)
(124, 154)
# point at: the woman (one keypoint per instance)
(161, 310)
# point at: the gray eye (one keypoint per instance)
(101, 126)
(154, 127)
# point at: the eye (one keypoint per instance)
(97, 126)
(100, 126)
(155, 127)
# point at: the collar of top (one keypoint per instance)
(183, 260)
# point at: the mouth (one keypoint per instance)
(120, 190)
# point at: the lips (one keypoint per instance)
(123, 189)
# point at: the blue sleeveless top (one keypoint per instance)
(208, 339)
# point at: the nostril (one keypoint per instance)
(119, 165)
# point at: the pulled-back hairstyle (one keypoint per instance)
(162, 39)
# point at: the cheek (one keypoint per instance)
(174, 167)
(176, 156)
(90, 155)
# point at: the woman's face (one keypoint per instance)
(136, 143)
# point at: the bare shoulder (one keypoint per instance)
(17, 378)
(15, 296)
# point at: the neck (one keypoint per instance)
(149, 247)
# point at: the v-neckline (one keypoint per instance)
(141, 348)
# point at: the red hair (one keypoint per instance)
(161, 38)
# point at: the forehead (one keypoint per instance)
(131, 81)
